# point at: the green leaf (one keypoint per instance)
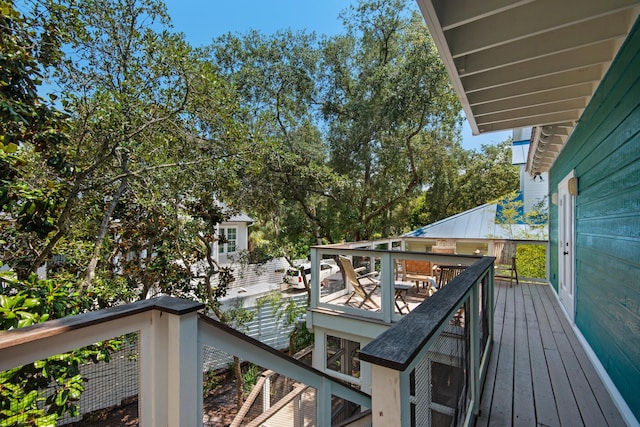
(31, 302)
(61, 397)
(10, 148)
(47, 421)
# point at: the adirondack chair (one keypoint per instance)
(363, 285)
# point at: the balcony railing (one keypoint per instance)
(428, 368)
(332, 294)
(173, 341)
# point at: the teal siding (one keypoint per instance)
(604, 150)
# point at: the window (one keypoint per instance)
(343, 355)
(230, 235)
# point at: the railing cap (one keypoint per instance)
(54, 327)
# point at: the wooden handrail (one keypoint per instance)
(15, 337)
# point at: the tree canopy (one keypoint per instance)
(354, 126)
(321, 139)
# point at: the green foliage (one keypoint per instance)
(34, 300)
(302, 337)
(532, 261)
(236, 316)
(348, 125)
(285, 309)
(210, 382)
(33, 136)
(25, 303)
(466, 179)
(250, 378)
(290, 312)
(511, 213)
(25, 117)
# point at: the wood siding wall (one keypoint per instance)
(604, 150)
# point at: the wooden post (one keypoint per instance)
(387, 276)
(323, 403)
(389, 397)
(171, 370)
(182, 371)
(153, 399)
(474, 342)
(315, 278)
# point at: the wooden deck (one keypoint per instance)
(539, 374)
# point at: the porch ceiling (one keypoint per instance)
(528, 63)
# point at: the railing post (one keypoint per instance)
(170, 367)
(387, 277)
(184, 389)
(323, 403)
(153, 398)
(474, 341)
(490, 303)
(389, 397)
(315, 278)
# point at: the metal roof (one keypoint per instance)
(478, 223)
(241, 217)
(528, 63)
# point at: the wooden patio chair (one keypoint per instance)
(505, 266)
(419, 272)
(448, 273)
(363, 285)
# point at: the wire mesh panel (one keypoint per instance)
(89, 385)
(111, 388)
(440, 383)
(219, 387)
(484, 314)
(268, 397)
(265, 396)
(277, 400)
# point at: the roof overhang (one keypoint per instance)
(528, 63)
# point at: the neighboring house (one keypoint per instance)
(571, 70)
(475, 230)
(236, 232)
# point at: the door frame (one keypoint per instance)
(566, 246)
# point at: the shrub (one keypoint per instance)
(22, 398)
(531, 261)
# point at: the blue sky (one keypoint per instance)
(203, 20)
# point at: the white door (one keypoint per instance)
(566, 246)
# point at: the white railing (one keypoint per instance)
(172, 335)
(384, 262)
(168, 336)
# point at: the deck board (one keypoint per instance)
(565, 401)
(545, 405)
(538, 373)
(523, 412)
(490, 376)
(587, 403)
(502, 405)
